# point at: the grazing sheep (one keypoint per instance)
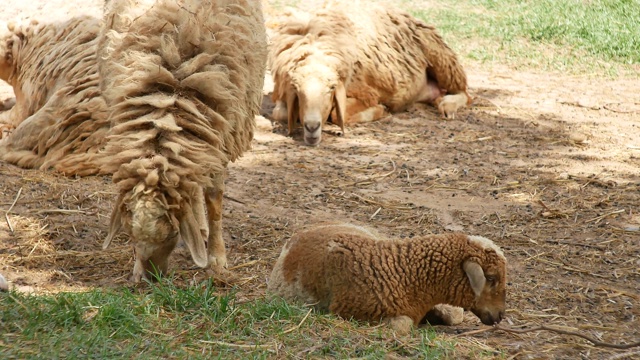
(183, 80)
(59, 117)
(355, 64)
(347, 270)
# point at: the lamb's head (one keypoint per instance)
(155, 227)
(317, 88)
(486, 271)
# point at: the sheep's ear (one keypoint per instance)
(115, 224)
(475, 275)
(340, 100)
(292, 108)
(191, 235)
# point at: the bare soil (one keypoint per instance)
(544, 164)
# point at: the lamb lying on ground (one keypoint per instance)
(183, 80)
(354, 64)
(59, 118)
(349, 271)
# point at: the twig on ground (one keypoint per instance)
(299, 324)
(595, 342)
(6, 214)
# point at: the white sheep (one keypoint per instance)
(183, 80)
(356, 63)
(347, 270)
(59, 118)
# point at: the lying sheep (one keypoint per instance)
(183, 80)
(355, 64)
(59, 117)
(347, 270)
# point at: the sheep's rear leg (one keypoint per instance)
(215, 243)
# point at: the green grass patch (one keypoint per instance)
(164, 321)
(576, 36)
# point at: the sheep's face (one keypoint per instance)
(490, 291)
(152, 233)
(315, 89)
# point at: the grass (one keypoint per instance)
(575, 36)
(199, 321)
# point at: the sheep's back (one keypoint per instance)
(184, 82)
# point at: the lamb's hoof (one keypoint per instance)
(402, 325)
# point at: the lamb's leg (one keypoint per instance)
(215, 242)
(401, 324)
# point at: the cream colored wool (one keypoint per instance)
(183, 81)
(381, 56)
(59, 119)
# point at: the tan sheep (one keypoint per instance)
(347, 270)
(355, 64)
(59, 117)
(183, 80)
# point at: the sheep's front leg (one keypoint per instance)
(215, 242)
(448, 105)
(357, 112)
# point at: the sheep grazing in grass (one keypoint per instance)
(350, 271)
(183, 80)
(355, 64)
(58, 118)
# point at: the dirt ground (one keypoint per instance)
(546, 165)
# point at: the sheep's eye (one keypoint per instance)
(491, 279)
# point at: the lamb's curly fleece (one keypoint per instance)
(60, 118)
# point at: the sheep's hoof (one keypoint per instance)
(218, 262)
(402, 324)
(4, 285)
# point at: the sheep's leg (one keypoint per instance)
(357, 112)
(215, 242)
(443, 314)
(448, 105)
(280, 113)
(401, 324)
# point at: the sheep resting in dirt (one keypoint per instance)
(183, 81)
(355, 64)
(59, 118)
(348, 270)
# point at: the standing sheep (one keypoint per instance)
(183, 80)
(349, 271)
(59, 118)
(355, 64)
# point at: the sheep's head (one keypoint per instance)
(316, 90)
(6, 51)
(487, 277)
(155, 228)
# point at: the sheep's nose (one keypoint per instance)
(312, 127)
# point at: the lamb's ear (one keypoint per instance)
(191, 235)
(475, 275)
(340, 103)
(115, 224)
(292, 109)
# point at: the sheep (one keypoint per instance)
(183, 80)
(59, 119)
(356, 65)
(347, 270)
